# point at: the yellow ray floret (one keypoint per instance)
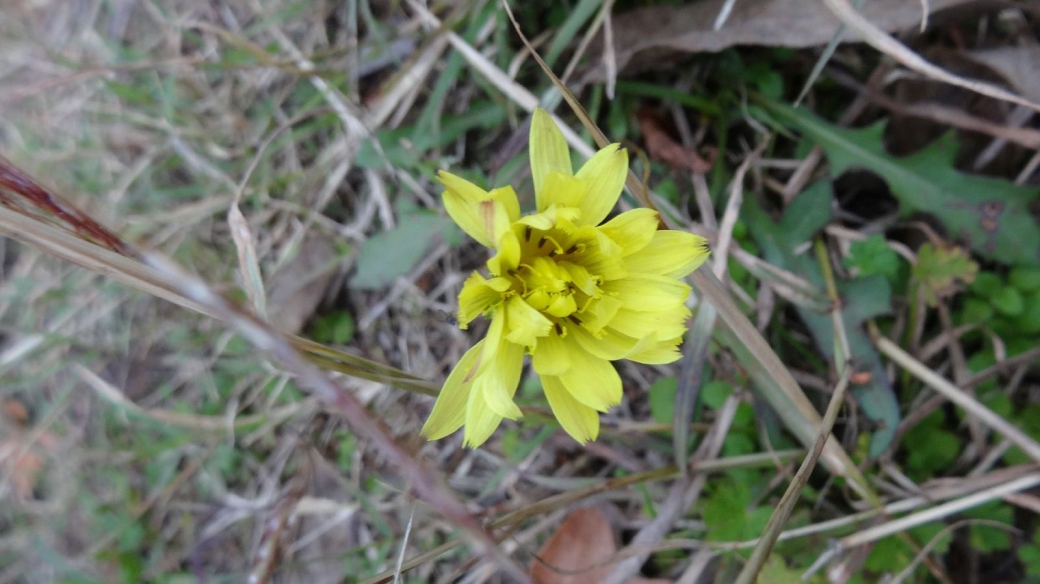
(573, 292)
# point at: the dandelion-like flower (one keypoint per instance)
(573, 293)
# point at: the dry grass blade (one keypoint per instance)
(898, 51)
(182, 420)
(953, 393)
(775, 526)
(938, 512)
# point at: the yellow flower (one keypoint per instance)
(572, 293)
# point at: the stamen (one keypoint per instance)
(541, 242)
(527, 233)
(559, 329)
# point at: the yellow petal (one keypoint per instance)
(602, 256)
(481, 421)
(577, 419)
(507, 196)
(599, 312)
(498, 381)
(667, 324)
(562, 305)
(508, 256)
(548, 154)
(564, 191)
(581, 278)
(473, 209)
(552, 356)
(593, 382)
(526, 324)
(449, 411)
(659, 353)
(604, 175)
(478, 296)
(672, 254)
(611, 345)
(632, 230)
(648, 292)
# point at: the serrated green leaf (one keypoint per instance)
(991, 215)
(870, 297)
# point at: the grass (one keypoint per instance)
(146, 441)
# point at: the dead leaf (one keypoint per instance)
(579, 551)
(1017, 64)
(643, 36)
(661, 146)
(21, 461)
(296, 290)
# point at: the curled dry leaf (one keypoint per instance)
(579, 552)
(663, 148)
(643, 36)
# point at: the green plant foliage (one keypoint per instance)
(930, 447)
(938, 268)
(335, 328)
(991, 215)
(874, 257)
(728, 515)
(1030, 556)
(865, 297)
(394, 253)
(662, 398)
(990, 538)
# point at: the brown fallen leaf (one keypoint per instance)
(20, 460)
(645, 36)
(661, 146)
(296, 290)
(579, 551)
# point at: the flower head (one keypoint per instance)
(562, 286)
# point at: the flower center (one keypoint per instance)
(550, 276)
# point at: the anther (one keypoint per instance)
(527, 233)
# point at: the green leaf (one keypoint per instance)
(986, 283)
(873, 256)
(939, 268)
(662, 398)
(992, 215)
(1029, 321)
(715, 392)
(1025, 279)
(1029, 555)
(976, 311)
(727, 515)
(930, 447)
(394, 253)
(1008, 301)
(334, 328)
